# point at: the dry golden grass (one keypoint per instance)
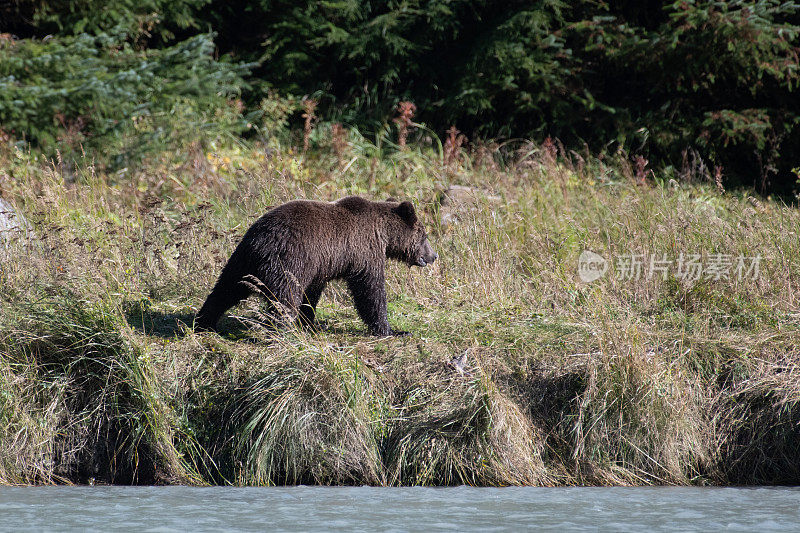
(611, 382)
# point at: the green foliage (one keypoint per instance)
(98, 92)
(517, 79)
(705, 81)
(660, 79)
(717, 77)
(112, 424)
(365, 56)
(145, 18)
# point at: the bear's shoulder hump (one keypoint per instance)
(355, 204)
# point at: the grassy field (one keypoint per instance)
(629, 379)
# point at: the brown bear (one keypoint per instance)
(296, 248)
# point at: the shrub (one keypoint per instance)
(99, 93)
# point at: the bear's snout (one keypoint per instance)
(427, 256)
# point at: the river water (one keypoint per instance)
(397, 509)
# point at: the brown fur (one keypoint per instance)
(295, 249)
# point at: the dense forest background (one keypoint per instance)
(702, 84)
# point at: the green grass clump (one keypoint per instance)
(620, 381)
(70, 364)
(311, 420)
(456, 431)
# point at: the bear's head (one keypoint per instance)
(408, 241)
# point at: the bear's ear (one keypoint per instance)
(391, 199)
(406, 212)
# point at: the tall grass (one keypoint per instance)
(618, 381)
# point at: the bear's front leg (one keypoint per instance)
(369, 295)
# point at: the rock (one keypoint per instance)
(460, 194)
(457, 200)
(459, 363)
(13, 225)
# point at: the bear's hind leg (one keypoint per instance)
(227, 292)
(311, 296)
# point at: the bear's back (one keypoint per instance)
(349, 214)
(333, 228)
